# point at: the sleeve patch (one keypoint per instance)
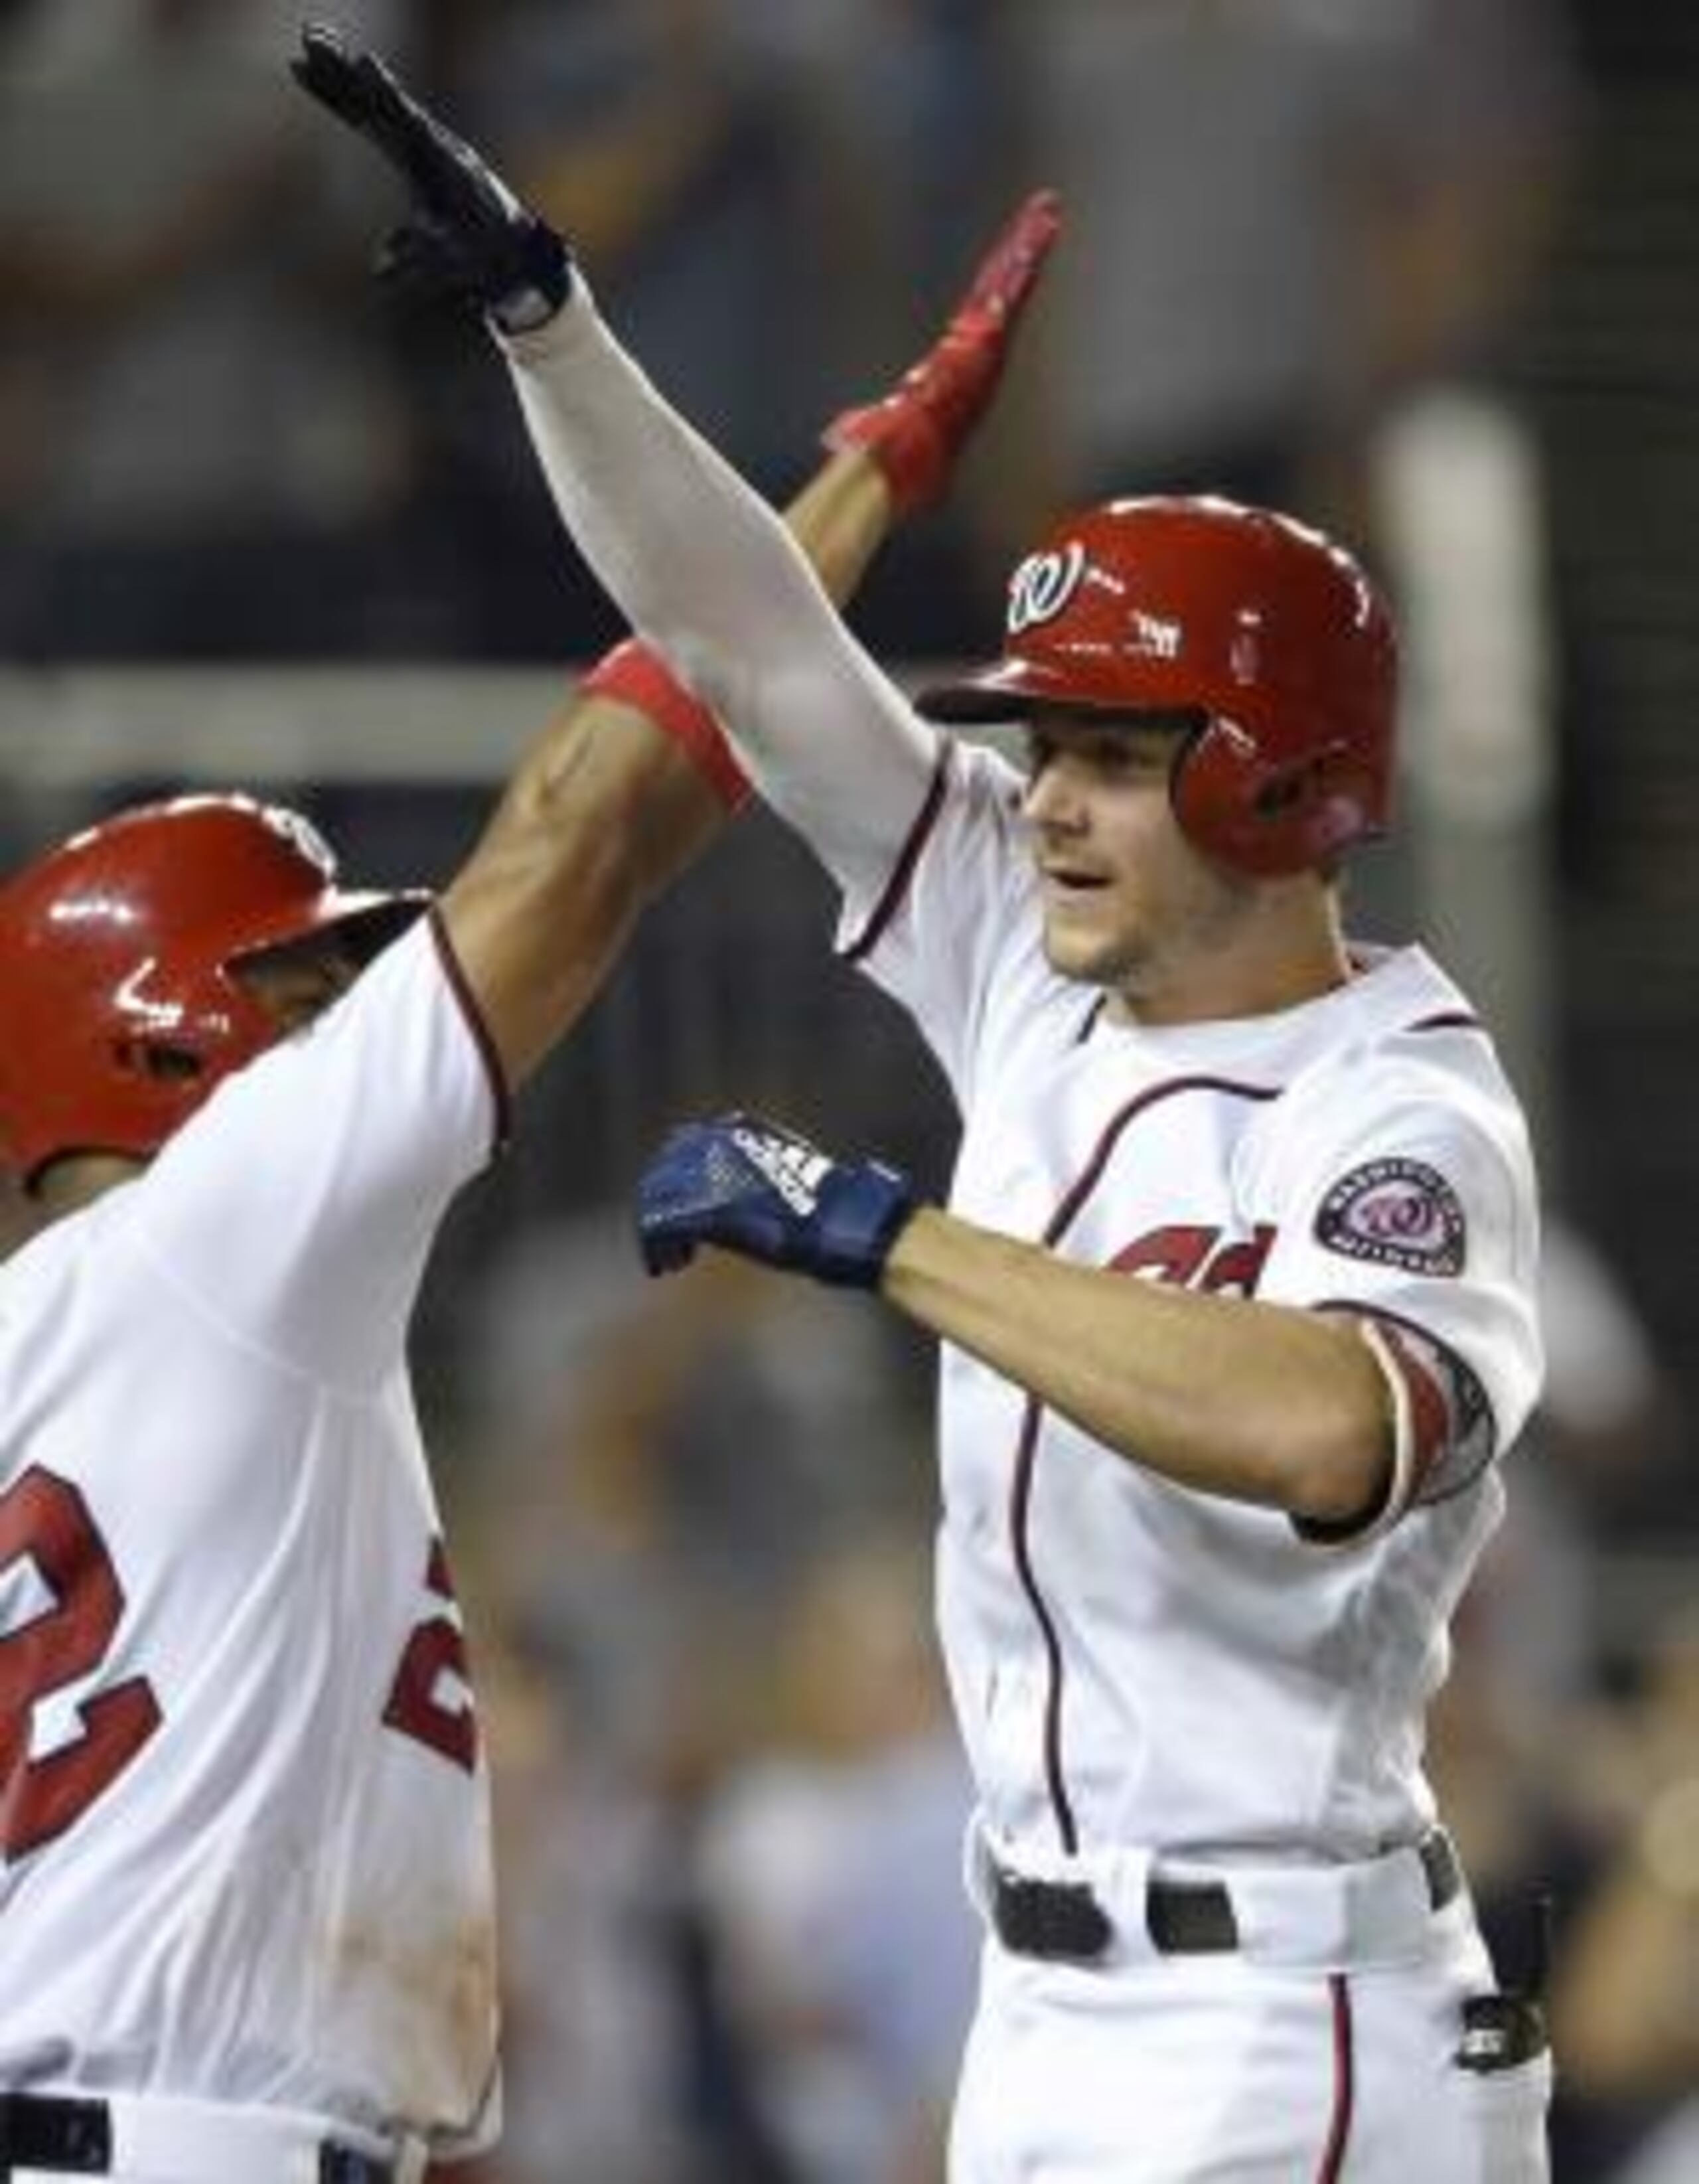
(1398, 1213)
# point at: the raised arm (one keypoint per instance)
(697, 561)
(702, 568)
(622, 791)
(633, 777)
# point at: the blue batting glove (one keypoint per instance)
(749, 1186)
(466, 235)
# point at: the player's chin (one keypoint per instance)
(1086, 957)
(1080, 943)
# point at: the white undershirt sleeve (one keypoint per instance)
(706, 573)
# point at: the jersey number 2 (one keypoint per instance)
(45, 1518)
(436, 1648)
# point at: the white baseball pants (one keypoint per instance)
(1253, 2066)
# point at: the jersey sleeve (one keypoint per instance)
(297, 1209)
(943, 930)
(1407, 1200)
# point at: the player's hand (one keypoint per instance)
(916, 431)
(466, 235)
(752, 1187)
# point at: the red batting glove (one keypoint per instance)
(915, 434)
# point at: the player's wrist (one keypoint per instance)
(530, 282)
(904, 444)
(746, 1185)
(864, 1208)
(916, 434)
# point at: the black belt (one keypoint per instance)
(1063, 1920)
(74, 2138)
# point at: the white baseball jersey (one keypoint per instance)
(244, 1834)
(1130, 1662)
(1146, 1676)
(1133, 1663)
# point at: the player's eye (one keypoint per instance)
(165, 1064)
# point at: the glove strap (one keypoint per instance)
(905, 443)
(546, 274)
(864, 1208)
(634, 674)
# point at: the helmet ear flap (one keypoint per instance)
(1271, 816)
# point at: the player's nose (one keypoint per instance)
(1052, 803)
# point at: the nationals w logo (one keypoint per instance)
(1042, 586)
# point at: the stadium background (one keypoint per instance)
(1427, 270)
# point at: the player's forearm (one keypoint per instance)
(694, 558)
(604, 811)
(707, 572)
(1258, 1403)
(840, 519)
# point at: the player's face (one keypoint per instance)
(1129, 904)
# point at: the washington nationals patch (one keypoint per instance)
(1398, 1213)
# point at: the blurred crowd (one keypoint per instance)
(214, 442)
(1304, 236)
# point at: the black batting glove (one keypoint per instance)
(466, 236)
(751, 1187)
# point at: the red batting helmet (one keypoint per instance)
(1264, 627)
(119, 1013)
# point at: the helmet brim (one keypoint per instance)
(367, 918)
(1016, 689)
(1005, 690)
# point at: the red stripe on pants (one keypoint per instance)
(1339, 2130)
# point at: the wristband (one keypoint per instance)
(634, 674)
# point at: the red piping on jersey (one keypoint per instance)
(1448, 1020)
(1345, 2088)
(1027, 1451)
(1020, 1502)
(495, 1071)
(902, 872)
(1091, 1174)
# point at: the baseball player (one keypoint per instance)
(245, 1920)
(1234, 1287)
